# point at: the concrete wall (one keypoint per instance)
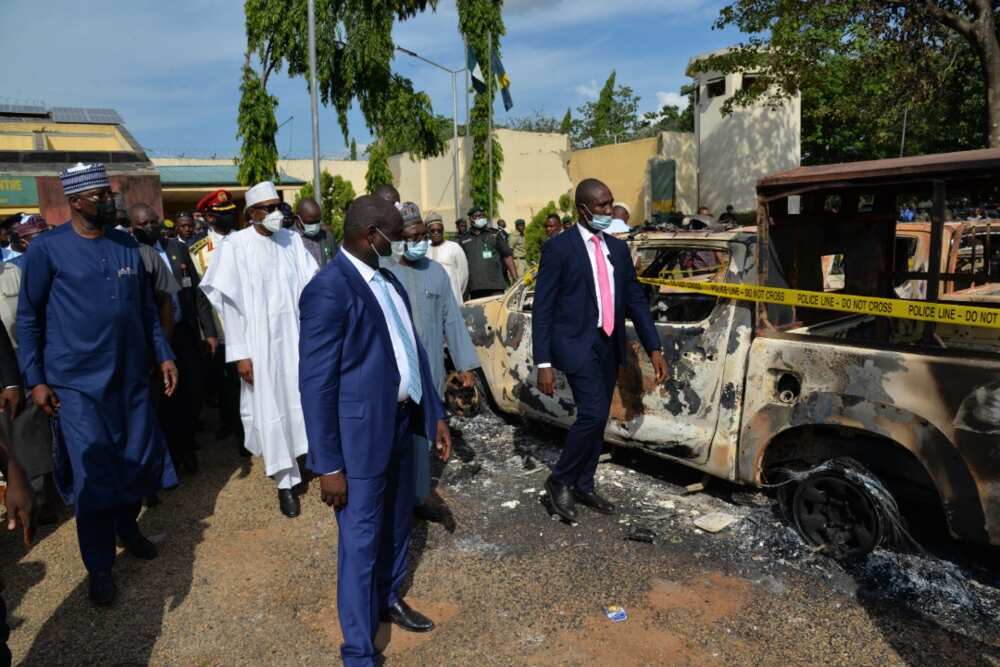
(534, 173)
(681, 148)
(735, 151)
(622, 167)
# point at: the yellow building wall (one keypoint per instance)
(622, 167)
(62, 137)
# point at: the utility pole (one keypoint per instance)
(311, 5)
(489, 99)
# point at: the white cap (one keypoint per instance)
(623, 205)
(261, 192)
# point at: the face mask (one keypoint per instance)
(599, 222)
(310, 228)
(415, 251)
(106, 214)
(621, 221)
(480, 223)
(272, 221)
(397, 247)
(225, 221)
(146, 236)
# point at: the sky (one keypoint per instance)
(172, 69)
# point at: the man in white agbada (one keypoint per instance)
(254, 282)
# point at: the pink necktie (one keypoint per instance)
(607, 307)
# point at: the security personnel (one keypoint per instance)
(220, 215)
(491, 262)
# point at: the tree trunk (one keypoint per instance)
(990, 55)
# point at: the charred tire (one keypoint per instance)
(843, 508)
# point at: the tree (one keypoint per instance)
(611, 119)
(790, 42)
(855, 112)
(378, 167)
(337, 195)
(567, 204)
(354, 50)
(669, 119)
(478, 21)
(538, 122)
(256, 129)
(566, 126)
(354, 150)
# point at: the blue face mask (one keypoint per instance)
(415, 251)
(599, 222)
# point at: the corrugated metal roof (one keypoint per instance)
(207, 176)
(940, 165)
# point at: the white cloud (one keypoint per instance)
(672, 99)
(589, 90)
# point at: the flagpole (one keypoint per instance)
(489, 97)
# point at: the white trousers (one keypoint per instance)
(289, 477)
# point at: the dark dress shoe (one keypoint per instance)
(102, 588)
(289, 503)
(410, 620)
(142, 548)
(151, 501)
(594, 501)
(561, 499)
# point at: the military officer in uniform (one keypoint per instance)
(220, 215)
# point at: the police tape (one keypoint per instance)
(943, 313)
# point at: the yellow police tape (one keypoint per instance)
(944, 313)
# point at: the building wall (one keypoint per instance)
(681, 148)
(735, 151)
(622, 167)
(534, 173)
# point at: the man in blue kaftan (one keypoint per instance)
(87, 333)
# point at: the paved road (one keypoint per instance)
(239, 584)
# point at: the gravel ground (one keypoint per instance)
(237, 583)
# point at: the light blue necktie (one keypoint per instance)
(415, 389)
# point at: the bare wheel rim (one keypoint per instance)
(838, 514)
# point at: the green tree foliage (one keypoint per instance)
(669, 119)
(256, 129)
(855, 112)
(566, 126)
(354, 150)
(567, 205)
(538, 122)
(478, 20)
(354, 50)
(534, 233)
(337, 195)
(611, 119)
(906, 45)
(378, 167)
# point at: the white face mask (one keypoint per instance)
(480, 223)
(272, 222)
(310, 228)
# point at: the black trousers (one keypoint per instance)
(228, 380)
(177, 413)
(592, 386)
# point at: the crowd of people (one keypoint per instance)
(322, 358)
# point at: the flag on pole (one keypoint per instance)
(478, 76)
(503, 80)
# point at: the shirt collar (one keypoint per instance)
(367, 272)
(587, 234)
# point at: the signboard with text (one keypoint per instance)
(18, 191)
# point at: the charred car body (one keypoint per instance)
(863, 419)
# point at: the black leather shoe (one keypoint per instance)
(560, 499)
(410, 620)
(594, 501)
(289, 503)
(140, 547)
(102, 588)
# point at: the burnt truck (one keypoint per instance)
(870, 426)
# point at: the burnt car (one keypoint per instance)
(869, 424)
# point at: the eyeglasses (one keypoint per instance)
(436, 232)
(96, 197)
(269, 208)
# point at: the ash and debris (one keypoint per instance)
(510, 463)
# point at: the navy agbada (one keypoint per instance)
(87, 326)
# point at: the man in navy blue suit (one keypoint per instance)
(366, 387)
(585, 288)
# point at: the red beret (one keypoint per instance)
(218, 201)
